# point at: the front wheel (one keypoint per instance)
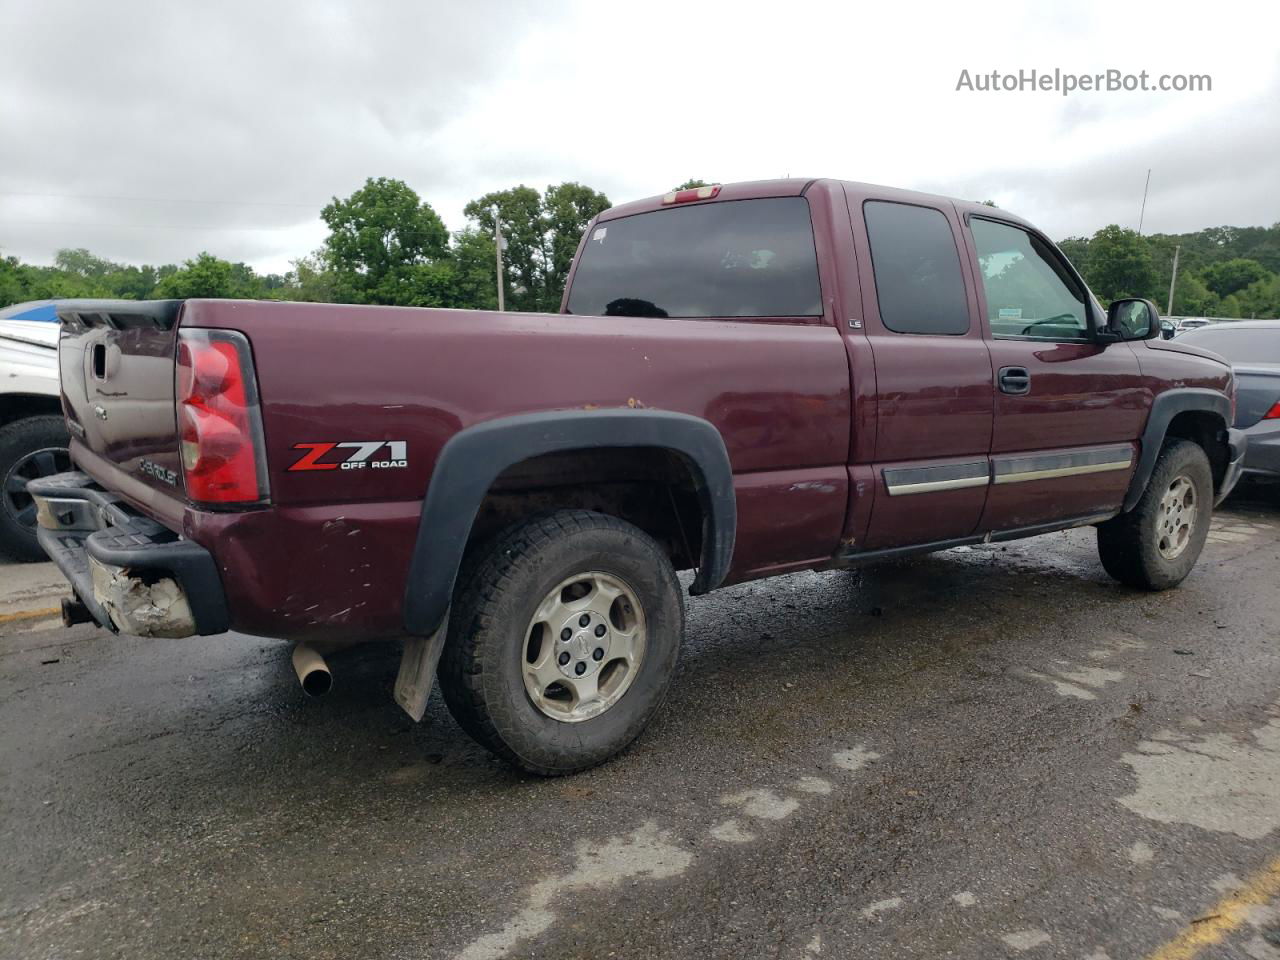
(563, 641)
(1155, 545)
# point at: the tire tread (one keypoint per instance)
(1125, 545)
(489, 577)
(16, 436)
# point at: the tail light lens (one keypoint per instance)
(219, 419)
(1273, 413)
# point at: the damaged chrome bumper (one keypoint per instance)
(1237, 447)
(132, 574)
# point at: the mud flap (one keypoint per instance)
(418, 670)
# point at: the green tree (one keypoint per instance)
(1230, 276)
(132, 283)
(83, 263)
(205, 276)
(567, 209)
(13, 281)
(691, 185)
(50, 282)
(520, 212)
(381, 237)
(1260, 300)
(309, 280)
(1191, 298)
(475, 281)
(82, 273)
(1119, 264)
(541, 234)
(1076, 249)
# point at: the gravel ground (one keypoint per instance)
(994, 751)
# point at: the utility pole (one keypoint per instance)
(498, 244)
(1173, 280)
(1144, 202)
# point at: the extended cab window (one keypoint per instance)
(737, 258)
(1030, 294)
(917, 269)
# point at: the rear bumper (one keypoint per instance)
(1263, 456)
(133, 574)
(1237, 445)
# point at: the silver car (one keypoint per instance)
(1187, 324)
(1252, 347)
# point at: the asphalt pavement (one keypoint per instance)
(990, 752)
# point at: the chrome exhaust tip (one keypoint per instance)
(313, 673)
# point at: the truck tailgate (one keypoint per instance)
(116, 360)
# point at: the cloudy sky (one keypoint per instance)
(148, 132)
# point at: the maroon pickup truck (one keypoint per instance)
(743, 380)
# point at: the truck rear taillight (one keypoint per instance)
(1273, 413)
(692, 194)
(219, 420)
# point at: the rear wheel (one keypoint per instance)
(29, 448)
(563, 642)
(1155, 545)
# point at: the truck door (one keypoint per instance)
(1067, 410)
(932, 369)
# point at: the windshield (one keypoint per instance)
(741, 258)
(1238, 344)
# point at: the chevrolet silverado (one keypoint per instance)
(743, 380)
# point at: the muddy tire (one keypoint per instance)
(563, 641)
(29, 448)
(1155, 545)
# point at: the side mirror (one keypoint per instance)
(1131, 319)
(1167, 329)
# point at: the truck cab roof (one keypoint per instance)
(799, 186)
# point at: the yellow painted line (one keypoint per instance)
(30, 614)
(1225, 916)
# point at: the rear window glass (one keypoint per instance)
(1242, 345)
(917, 269)
(740, 258)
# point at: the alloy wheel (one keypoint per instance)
(584, 647)
(1177, 518)
(39, 463)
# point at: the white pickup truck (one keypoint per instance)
(33, 437)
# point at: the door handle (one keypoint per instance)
(1015, 380)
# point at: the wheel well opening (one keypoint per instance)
(654, 488)
(18, 406)
(1209, 431)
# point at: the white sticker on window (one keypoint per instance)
(600, 234)
(1010, 313)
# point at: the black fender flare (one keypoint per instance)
(473, 458)
(1164, 408)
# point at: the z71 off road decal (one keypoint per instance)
(371, 454)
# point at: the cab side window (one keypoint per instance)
(917, 269)
(1030, 294)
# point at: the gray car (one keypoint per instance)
(1252, 347)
